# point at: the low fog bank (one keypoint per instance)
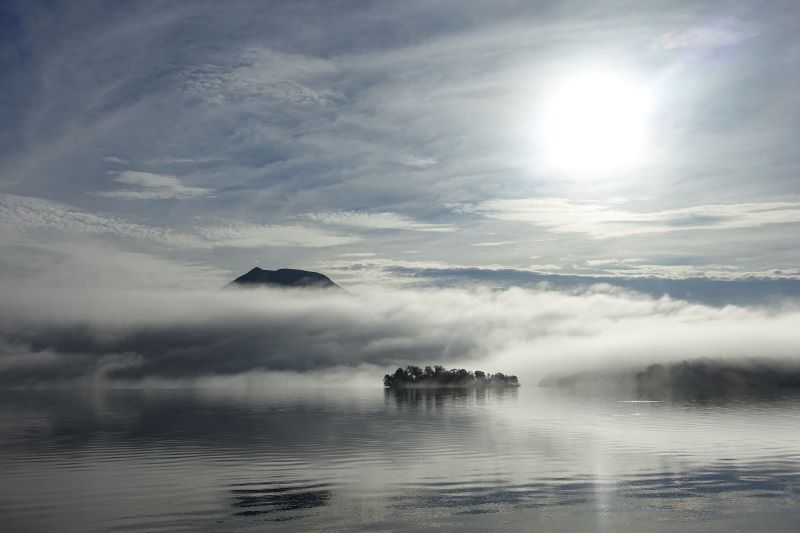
(52, 336)
(699, 377)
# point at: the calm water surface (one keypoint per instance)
(533, 459)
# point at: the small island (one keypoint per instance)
(440, 377)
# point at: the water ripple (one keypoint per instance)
(189, 461)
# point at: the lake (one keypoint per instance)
(369, 459)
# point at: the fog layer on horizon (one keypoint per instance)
(97, 336)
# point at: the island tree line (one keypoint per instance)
(439, 376)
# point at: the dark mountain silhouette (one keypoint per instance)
(283, 277)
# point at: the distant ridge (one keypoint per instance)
(284, 277)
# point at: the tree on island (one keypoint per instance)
(438, 376)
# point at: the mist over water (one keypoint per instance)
(263, 409)
(304, 459)
(52, 336)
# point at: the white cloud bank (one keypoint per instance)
(111, 335)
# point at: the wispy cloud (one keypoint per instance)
(262, 117)
(544, 267)
(418, 162)
(357, 254)
(244, 235)
(693, 272)
(21, 215)
(262, 73)
(384, 220)
(612, 261)
(712, 35)
(150, 186)
(602, 221)
(494, 243)
(710, 284)
(102, 265)
(115, 160)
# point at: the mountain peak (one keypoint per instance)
(284, 277)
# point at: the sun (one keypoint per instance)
(596, 122)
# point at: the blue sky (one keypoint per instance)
(181, 143)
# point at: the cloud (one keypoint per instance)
(357, 254)
(544, 267)
(262, 73)
(603, 270)
(718, 286)
(21, 216)
(703, 37)
(385, 220)
(417, 162)
(186, 160)
(391, 126)
(603, 221)
(45, 336)
(89, 264)
(244, 235)
(612, 261)
(115, 160)
(152, 186)
(309, 119)
(494, 243)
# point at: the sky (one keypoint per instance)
(187, 142)
(639, 157)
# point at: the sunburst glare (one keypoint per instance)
(596, 122)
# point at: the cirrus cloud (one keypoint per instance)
(151, 186)
(608, 220)
(382, 220)
(22, 217)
